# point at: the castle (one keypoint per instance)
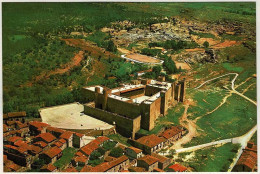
(133, 106)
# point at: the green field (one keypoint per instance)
(212, 159)
(67, 155)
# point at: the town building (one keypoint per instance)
(148, 162)
(51, 155)
(172, 134)
(177, 168)
(149, 144)
(133, 152)
(163, 161)
(14, 116)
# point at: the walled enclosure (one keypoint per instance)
(120, 106)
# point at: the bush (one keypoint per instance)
(116, 152)
(95, 155)
(109, 145)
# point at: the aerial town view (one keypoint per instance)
(129, 87)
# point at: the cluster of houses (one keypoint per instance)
(28, 142)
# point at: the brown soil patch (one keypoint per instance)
(182, 65)
(195, 50)
(124, 51)
(209, 40)
(142, 58)
(227, 43)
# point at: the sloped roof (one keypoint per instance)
(136, 150)
(161, 158)
(148, 159)
(178, 168)
(248, 158)
(38, 124)
(52, 152)
(169, 133)
(14, 139)
(48, 137)
(136, 169)
(41, 144)
(150, 140)
(66, 135)
(50, 167)
(70, 169)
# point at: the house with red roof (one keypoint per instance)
(55, 131)
(19, 155)
(61, 143)
(51, 155)
(14, 139)
(49, 168)
(136, 169)
(172, 134)
(14, 116)
(45, 137)
(133, 152)
(41, 144)
(78, 140)
(68, 136)
(177, 168)
(70, 169)
(163, 161)
(248, 159)
(150, 143)
(37, 127)
(116, 165)
(79, 161)
(148, 162)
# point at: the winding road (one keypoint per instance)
(242, 140)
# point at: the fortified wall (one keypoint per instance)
(132, 107)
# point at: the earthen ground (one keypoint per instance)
(70, 116)
(142, 58)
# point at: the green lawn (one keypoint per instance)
(212, 159)
(68, 154)
(234, 118)
(119, 138)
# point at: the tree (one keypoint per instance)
(206, 44)
(116, 152)
(172, 152)
(95, 155)
(111, 46)
(109, 145)
(163, 151)
(157, 69)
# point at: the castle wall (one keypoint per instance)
(130, 110)
(134, 93)
(88, 94)
(151, 90)
(126, 126)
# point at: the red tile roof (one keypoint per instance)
(169, 133)
(5, 128)
(50, 167)
(158, 170)
(101, 139)
(136, 169)
(5, 158)
(78, 153)
(82, 159)
(38, 124)
(136, 150)
(178, 168)
(40, 144)
(161, 158)
(52, 152)
(9, 123)
(148, 159)
(14, 139)
(70, 169)
(66, 135)
(248, 158)
(109, 158)
(86, 168)
(103, 167)
(78, 134)
(36, 149)
(48, 137)
(20, 143)
(62, 141)
(54, 129)
(150, 140)
(16, 114)
(14, 166)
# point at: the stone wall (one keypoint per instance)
(151, 90)
(88, 95)
(126, 126)
(133, 93)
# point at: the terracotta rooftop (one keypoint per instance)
(78, 153)
(149, 159)
(35, 149)
(161, 158)
(13, 166)
(52, 152)
(5, 128)
(70, 169)
(86, 168)
(82, 159)
(178, 168)
(16, 114)
(9, 123)
(40, 144)
(150, 140)
(136, 169)
(248, 158)
(78, 134)
(158, 170)
(109, 158)
(169, 133)
(89, 148)
(102, 139)
(14, 139)
(66, 135)
(20, 143)
(50, 167)
(136, 150)
(48, 137)
(38, 124)
(54, 129)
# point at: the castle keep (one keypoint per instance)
(133, 106)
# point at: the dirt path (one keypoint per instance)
(247, 88)
(189, 125)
